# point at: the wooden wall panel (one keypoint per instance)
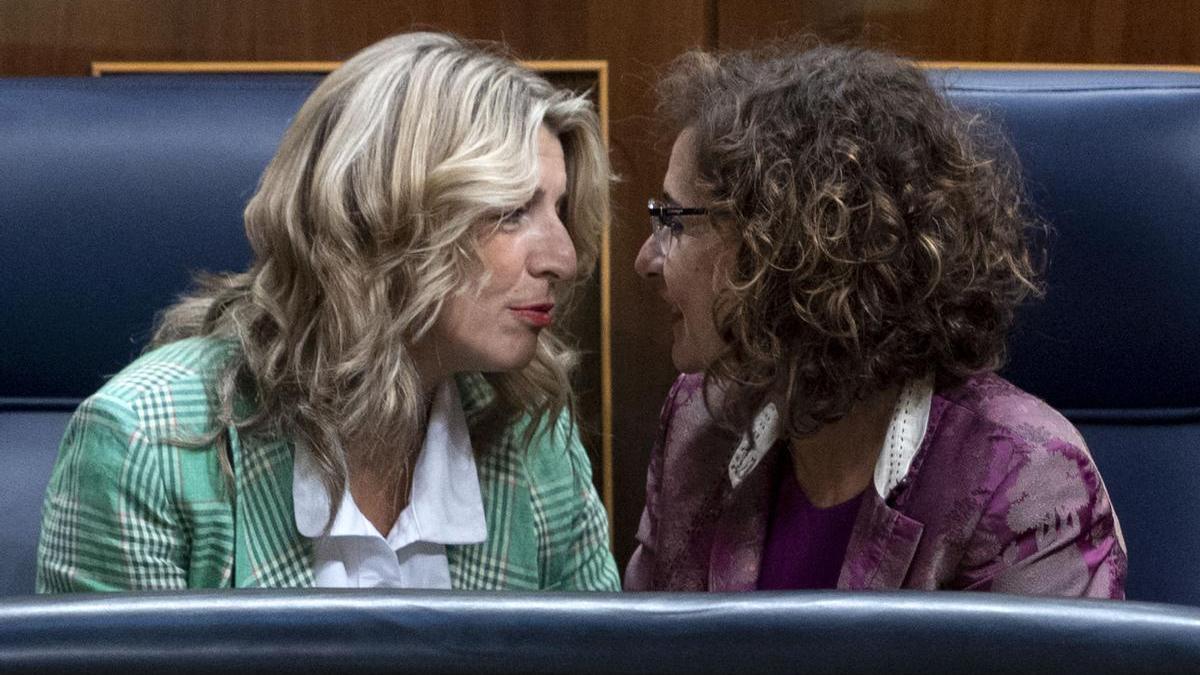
(57, 36)
(1063, 31)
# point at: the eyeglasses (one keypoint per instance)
(665, 222)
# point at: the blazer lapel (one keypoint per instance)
(884, 540)
(269, 551)
(882, 547)
(878, 556)
(741, 529)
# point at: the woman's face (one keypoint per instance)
(687, 277)
(494, 325)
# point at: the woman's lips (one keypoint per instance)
(538, 316)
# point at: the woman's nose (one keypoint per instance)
(555, 255)
(649, 259)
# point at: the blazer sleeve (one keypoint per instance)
(639, 573)
(108, 522)
(575, 538)
(1050, 529)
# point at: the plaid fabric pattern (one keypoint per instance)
(129, 508)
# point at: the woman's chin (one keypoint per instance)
(512, 361)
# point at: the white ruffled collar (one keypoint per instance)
(446, 505)
(905, 433)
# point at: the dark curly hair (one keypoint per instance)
(876, 234)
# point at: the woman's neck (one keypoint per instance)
(380, 504)
(432, 369)
(837, 462)
(381, 492)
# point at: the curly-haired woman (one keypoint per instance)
(381, 399)
(842, 256)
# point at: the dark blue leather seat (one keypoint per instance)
(447, 632)
(113, 191)
(1112, 160)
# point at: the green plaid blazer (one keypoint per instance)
(128, 509)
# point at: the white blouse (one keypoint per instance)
(446, 508)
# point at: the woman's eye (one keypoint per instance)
(515, 216)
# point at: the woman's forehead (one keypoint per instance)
(682, 178)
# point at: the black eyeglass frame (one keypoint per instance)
(665, 223)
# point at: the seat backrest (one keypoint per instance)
(28, 440)
(351, 631)
(1112, 162)
(113, 191)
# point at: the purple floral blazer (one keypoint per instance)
(1001, 495)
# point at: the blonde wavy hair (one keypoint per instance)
(363, 225)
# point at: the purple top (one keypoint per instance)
(805, 544)
(1002, 495)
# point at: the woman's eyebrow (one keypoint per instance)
(666, 194)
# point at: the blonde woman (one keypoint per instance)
(381, 399)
